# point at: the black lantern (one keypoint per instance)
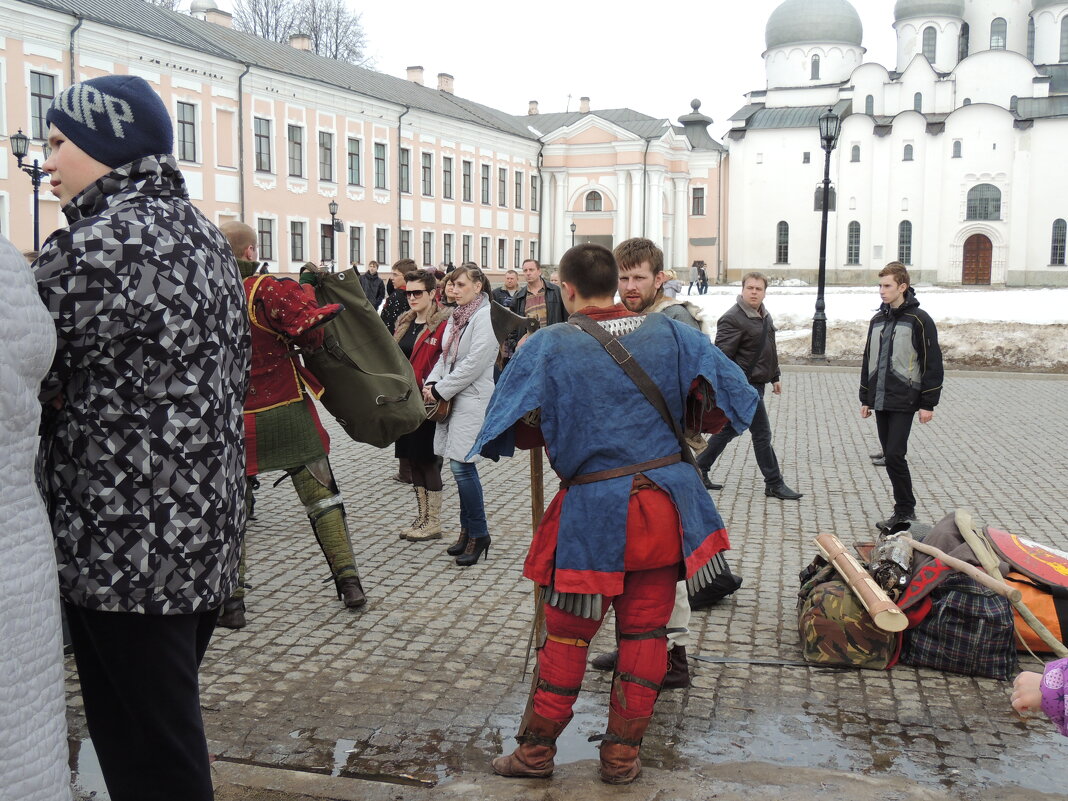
(573, 229)
(335, 226)
(20, 146)
(830, 125)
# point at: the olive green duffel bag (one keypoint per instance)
(369, 385)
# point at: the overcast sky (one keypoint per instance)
(649, 57)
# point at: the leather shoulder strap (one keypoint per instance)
(641, 379)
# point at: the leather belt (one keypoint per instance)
(619, 472)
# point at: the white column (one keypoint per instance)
(654, 204)
(682, 216)
(620, 223)
(636, 184)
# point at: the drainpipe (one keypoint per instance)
(720, 277)
(241, 140)
(400, 195)
(645, 171)
(541, 202)
(73, 31)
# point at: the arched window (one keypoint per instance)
(998, 33)
(815, 74)
(854, 154)
(904, 242)
(984, 203)
(930, 39)
(869, 106)
(957, 146)
(967, 101)
(907, 155)
(1056, 255)
(962, 46)
(1030, 38)
(782, 243)
(853, 243)
(1064, 40)
(917, 101)
(832, 199)
(1014, 102)
(593, 201)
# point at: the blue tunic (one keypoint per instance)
(593, 417)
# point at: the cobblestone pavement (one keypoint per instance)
(424, 684)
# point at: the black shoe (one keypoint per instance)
(898, 520)
(476, 546)
(678, 674)
(874, 456)
(879, 461)
(233, 614)
(709, 484)
(350, 592)
(459, 546)
(605, 661)
(782, 492)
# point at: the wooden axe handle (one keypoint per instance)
(998, 586)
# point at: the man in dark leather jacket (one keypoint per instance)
(747, 335)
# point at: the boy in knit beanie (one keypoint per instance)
(151, 365)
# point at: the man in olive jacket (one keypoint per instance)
(747, 335)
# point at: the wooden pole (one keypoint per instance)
(537, 510)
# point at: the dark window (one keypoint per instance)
(326, 157)
(465, 172)
(782, 243)
(907, 156)
(1064, 40)
(534, 249)
(295, 145)
(296, 241)
(42, 91)
(355, 244)
(466, 248)
(814, 73)
(262, 134)
(957, 146)
(854, 154)
(428, 175)
(904, 242)
(381, 245)
(265, 235)
(1030, 39)
(446, 177)
(998, 33)
(187, 132)
(1014, 102)
(405, 247)
(1056, 254)
(930, 39)
(697, 204)
(853, 243)
(428, 248)
(446, 248)
(806, 157)
(502, 249)
(832, 199)
(917, 102)
(967, 101)
(962, 47)
(869, 105)
(485, 187)
(502, 186)
(326, 241)
(405, 175)
(380, 169)
(485, 252)
(593, 201)
(533, 193)
(355, 168)
(518, 254)
(518, 189)
(984, 202)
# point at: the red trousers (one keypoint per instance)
(644, 606)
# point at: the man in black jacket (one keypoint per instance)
(372, 284)
(539, 298)
(901, 374)
(747, 335)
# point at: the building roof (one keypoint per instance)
(813, 21)
(1046, 4)
(907, 9)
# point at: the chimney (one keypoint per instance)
(584, 105)
(219, 17)
(415, 75)
(300, 41)
(445, 82)
(532, 108)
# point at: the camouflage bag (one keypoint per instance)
(836, 629)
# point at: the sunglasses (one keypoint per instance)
(414, 293)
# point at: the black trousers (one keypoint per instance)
(894, 429)
(140, 687)
(760, 428)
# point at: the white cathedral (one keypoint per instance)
(953, 162)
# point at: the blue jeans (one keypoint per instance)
(472, 509)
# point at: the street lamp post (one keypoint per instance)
(830, 126)
(573, 229)
(334, 225)
(20, 146)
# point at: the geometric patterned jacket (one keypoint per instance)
(143, 466)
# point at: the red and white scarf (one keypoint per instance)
(460, 317)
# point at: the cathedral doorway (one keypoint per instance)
(977, 258)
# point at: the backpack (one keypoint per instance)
(369, 385)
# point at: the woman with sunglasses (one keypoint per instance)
(464, 375)
(418, 332)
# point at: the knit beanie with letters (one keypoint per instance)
(114, 119)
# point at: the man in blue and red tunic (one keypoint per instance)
(633, 518)
(282, 428)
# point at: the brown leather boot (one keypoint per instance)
(533, 759)
(678, 673)
(619, 749)
(350, 592)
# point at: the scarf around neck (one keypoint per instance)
(461, 316)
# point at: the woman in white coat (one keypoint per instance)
(33, 724)
(464, 375)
